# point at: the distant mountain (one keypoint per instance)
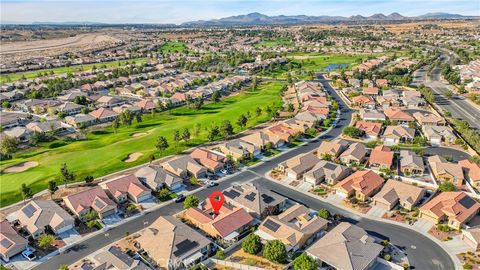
(68, 23)
(262, 19)
(441, 15)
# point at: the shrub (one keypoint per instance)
(275, 251)
(252, 244)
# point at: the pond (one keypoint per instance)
(332, 67)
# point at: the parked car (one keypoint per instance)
(212, 177)
(29, 254)
(212, 184)
(179, 198)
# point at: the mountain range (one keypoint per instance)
(262, 19)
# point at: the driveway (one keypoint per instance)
(70, 236)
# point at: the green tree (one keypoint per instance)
(252, 244)
(52, 187)
(304, 262)
(213, 133)
(126, 118)
(186, 135)
(45, 241)
(352, 132)
(8, 146)
(198, 103)
(138, 118)
(275, 251)
(6, 104)
(191, 201)
(26, 192)
(63, 267)
(268, 110)
(66, 175)
(164, 194)
(176, 137)
(88, 179)
(216, 96)
(323, 213)
(242, 121)
(227, 128)
(446, 186)
(196, 129)
(258, 111)
(290, 107)
(162, 144)
(220, 254)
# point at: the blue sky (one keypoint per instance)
(171, 11)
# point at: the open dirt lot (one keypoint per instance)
(38, 45)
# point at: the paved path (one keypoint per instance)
(427, 254)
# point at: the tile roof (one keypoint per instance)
(364, 182)
(456, 205)
(381, 155)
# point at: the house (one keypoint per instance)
(95, 199)
(296, 227)
(146, 105)
(104, 115)
(411, 163)
(21, 134)
(372, 115)
(281, 131)
(212, 160)
(298, 126)
(398, 134)
(472, 171)
(446, 171)
(361, 184)
(239, 149)
(37, 216)
(156, 178)
(115, 258)
(381, 157)
(260, 140)
(11, 243)
(185, 167)
(381, 82)
(47, 126)
(173, 244)
(126, 188)
(436, 135)
(428, 119)
(332, 148)
(471, 237)
(109, 101)
(455, 208)
(258, 201)
(80, 120)
(298, 165)
(69, 108)
(364, 101)
(396, 193)
(398, 115)
(228, 224)
(370, 91)
(326, 171)
(370, 129)
(355, 153)
(346, 246)
(310, 118)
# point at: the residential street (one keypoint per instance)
(458, 106)
(422, 252)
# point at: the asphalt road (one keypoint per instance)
(422, 252)
(458, 106)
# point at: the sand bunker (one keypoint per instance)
(133, 156)
(139, 134)
(21, 167)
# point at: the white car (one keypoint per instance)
(29, 254)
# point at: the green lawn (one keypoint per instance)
(173, 47)
(61, 70)
(270, 43)
(103, 151)
(315, 62)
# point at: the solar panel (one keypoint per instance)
(228, 194)
(269, 224)
(250, 197)
(330, 166)
(6, 243)
(267, 199)
(234, 193)
(184, 246)
(29, 210)
(99, 204)
(467, 202)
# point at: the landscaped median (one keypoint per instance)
(103, 151)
